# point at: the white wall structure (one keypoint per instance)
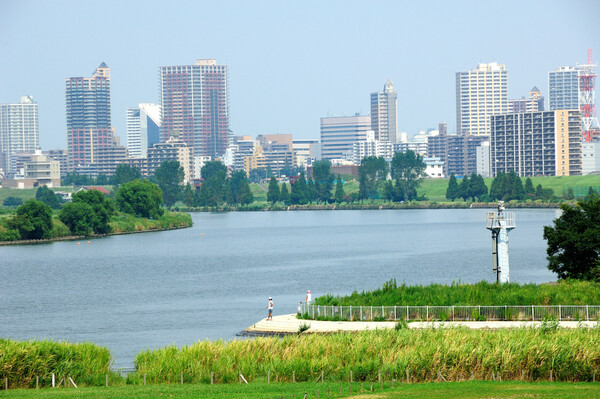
(483, 159)
(143, 129)
(591, 158)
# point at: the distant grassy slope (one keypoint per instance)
(435, 189)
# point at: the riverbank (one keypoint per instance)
(264, 207)
(120, 225)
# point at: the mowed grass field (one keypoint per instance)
(468, 389)
(435, 189)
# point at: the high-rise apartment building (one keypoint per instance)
(480, 93)
(19, 131)
(535, 102)
(195, 104)
(338, 134)
(143, 129)
(537, 143)
(89, 127)
(563, 88)
(384, 107)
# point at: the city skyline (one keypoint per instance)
(289, 65)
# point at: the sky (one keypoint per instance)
(290, 62)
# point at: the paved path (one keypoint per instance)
(289, 324)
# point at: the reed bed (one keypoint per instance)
(482, 293)
(22, 361)
(455, 353)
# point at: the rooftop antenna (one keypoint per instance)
(500, 223)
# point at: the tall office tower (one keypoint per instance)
(18, 131)
(143, 129)
(384, 113)
(480, 93)
(535, 102)
(338, 134)
(537, 143)
(563, 88)
(89, 128)
(195, 103)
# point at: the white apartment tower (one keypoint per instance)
(19, 130)
(143, 129)
(480, 93)
(384, 107)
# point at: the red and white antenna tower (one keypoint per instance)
(587, 99)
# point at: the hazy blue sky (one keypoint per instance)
(290, 62)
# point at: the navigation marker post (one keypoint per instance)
(500, 223)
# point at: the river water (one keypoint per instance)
(211, 281)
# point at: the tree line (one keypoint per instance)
(505, 187)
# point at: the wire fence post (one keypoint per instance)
(395, 313)
(559, 313)
(587, 313)
(427, 317)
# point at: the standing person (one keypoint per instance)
(308, 297)
(270, 307)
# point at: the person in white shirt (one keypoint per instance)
(270, 307)
(308, 297)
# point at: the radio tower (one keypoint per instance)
(587, 99)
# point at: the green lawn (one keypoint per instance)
(435, 189)
(470, 389)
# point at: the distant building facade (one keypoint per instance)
(480, 93)
(89, 127)
(19, 131)
(143, 129)
(173, 149)
(535, 102)
(563, 88)
(591, 158)
(384, 113)
(37, 171)
(338, 134)
(195, 104)
(537, 143)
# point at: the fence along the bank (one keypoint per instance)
(451, 313)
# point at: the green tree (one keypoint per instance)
(529, 187)
(362, 188)
(188, 195)
(323, 180)
(463, 188)
(574, 241)
(47, 196)
(388, 190)
(125, 173)
(408, 170)
(240, 188)
(372, 171)
(284, 194)
(300, 194)
(477, 187)
(102, 180)
(78, 217)
(33, 220)
(169, 176)
(339, 190)
(12, 201)
(273, 192)
(102, 207)
(311, 189)
(452, 190)
(140, 198)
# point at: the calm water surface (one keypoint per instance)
(140, 291)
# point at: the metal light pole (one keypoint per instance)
(500, 223)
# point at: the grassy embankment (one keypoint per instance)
(482, 293)
(444, 390)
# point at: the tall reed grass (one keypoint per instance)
(456, 353)
(22, 361)
(482, 293)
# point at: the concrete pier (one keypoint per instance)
(289, 324)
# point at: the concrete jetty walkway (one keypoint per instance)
(289, 324)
